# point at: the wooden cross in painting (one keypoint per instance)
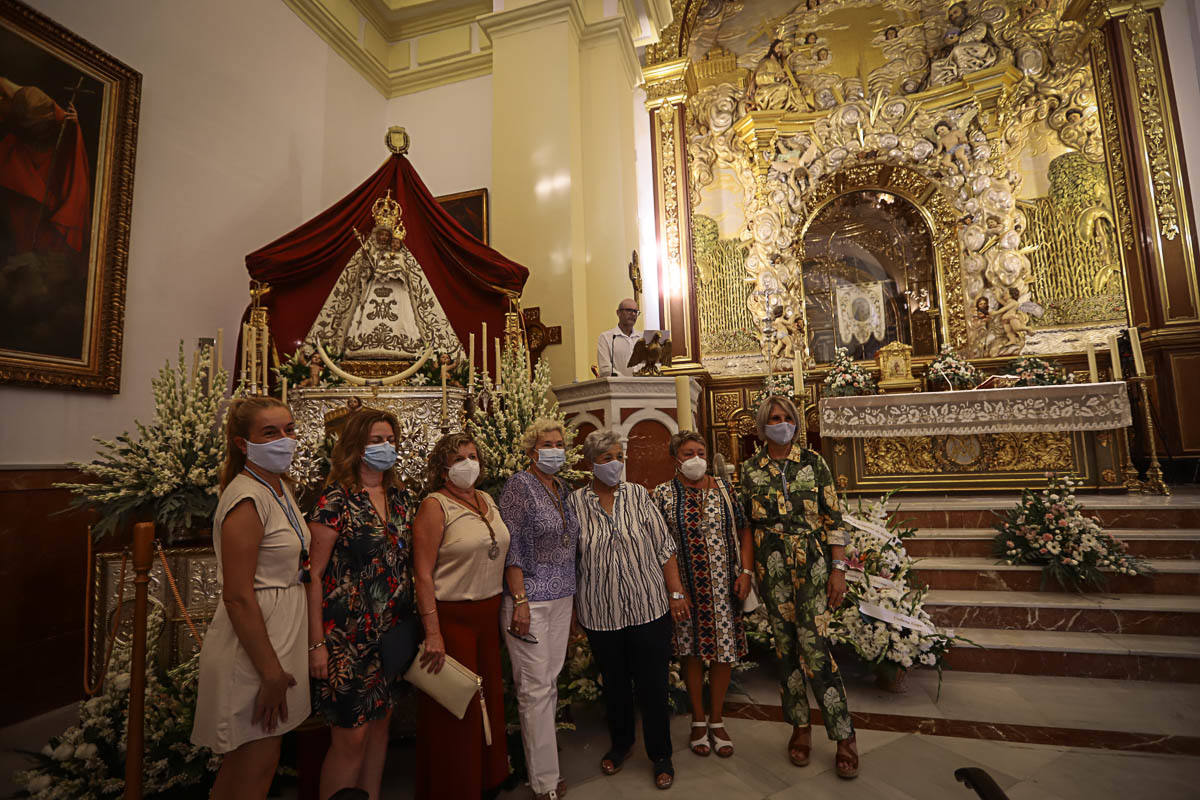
(537, 334)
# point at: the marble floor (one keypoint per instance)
(1048, 738)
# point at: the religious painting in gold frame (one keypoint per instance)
(66, 195)
(470, 210)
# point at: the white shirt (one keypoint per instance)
(613, 349)
(620, 559)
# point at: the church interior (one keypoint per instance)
(959, 235)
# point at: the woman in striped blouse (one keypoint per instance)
(627, 568)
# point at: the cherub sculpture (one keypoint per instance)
(315, 367)
(951, 142)
(651, 355)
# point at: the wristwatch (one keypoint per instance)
(678, 596)
(839, 565)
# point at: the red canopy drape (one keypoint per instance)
(472, 281)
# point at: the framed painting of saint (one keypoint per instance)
(68, 133)
(469, 209)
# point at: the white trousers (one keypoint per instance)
(535, 675)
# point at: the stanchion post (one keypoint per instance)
(143, 556)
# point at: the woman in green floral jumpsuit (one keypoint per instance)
(798, 544)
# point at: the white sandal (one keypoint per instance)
(702, 741)
(719, 743)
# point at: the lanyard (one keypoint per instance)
(303, 577)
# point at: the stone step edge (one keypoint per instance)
(1177, 566)
(1115, 644)
(1141, 535)
(982, 598)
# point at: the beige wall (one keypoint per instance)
(249, 126)
(451, 130)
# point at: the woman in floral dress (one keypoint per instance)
(361, 587)
(799, 548)
(716, 560)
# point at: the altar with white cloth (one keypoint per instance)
(977, 439)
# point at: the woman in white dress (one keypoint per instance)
(256, 645)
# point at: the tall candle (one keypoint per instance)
(220, 346)
(499, 363)
(283, 389)
(483, 347)
(1135, 344)
(683, 402)
(245, 354)
(251, 351)
(1093, 373)
(444, 417)
(266, 363)
(1114, 350)
(471, 361)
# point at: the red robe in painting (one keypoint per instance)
(47, 199)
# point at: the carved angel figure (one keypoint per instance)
(967, 46)
(651, 355)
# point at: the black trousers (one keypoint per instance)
(633, 662)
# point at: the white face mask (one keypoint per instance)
(464, 473)
(694, 468)
(273, 456)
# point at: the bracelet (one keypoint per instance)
(839, 565)
(749, 572)
(678, 596)
(523, 601)
(319, 644)
(427, 613)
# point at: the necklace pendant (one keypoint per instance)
(494, 551)
(566, 540)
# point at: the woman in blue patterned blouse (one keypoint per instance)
(539, 578)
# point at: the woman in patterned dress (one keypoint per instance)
(361, 586)
(799, 547)
(716, 560)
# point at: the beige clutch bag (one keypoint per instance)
(453, 688)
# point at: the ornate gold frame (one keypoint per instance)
(935, 210)
(100, 368)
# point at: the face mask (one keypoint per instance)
(551, 459)
(693, 469)
(464, 473)
(274, 456)
(781, 432)
(609, 473)
(381, 456)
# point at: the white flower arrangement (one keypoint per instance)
(953, 370)
(1049, 529)
(170, 471)
(88, 759)
(846, 378)
(781, 384)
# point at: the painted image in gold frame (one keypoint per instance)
(68, 135)
(469, 209)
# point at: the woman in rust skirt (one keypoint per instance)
(459, 546)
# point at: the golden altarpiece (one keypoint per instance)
(1001, 177)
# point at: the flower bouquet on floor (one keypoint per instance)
(1049, 529)
(883, 618)
(1033, 371)
(88, 759)
(846, 378)
(951, 370)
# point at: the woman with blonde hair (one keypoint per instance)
(459, 547)
(799, 549)
(248, 694)
(361, 588)
(536, 610)
(716, 560)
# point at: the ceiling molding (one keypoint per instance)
(394, 29)
(464, 68)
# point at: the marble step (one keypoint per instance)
(977, 542)
(1173, 576)
(1082, 655)
(1143, 614)
(1181, 510)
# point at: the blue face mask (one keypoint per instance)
(609, 473)
(274, 456)
(381, 456)
(781, 432)
(551, 459)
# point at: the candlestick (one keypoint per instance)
(471, 362)
(1135, 344)
(283, 389)
(251, 374)
(484, 348)
(444, 415)
(1154, 475)
(683, 403)
(1093, 373)
(798, 388)
(1114, 350)
(220, 345)
(499, 363)
(266, 363)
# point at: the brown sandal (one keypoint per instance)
(612, 762)
(664, 774)
(799, 750)
(846, 760)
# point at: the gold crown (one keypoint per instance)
(386, 212)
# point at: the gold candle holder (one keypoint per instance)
(1154, 476)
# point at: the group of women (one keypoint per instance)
(647, 576)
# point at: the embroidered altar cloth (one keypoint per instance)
(1022, 409)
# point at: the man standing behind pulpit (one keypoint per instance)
(615, 345)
